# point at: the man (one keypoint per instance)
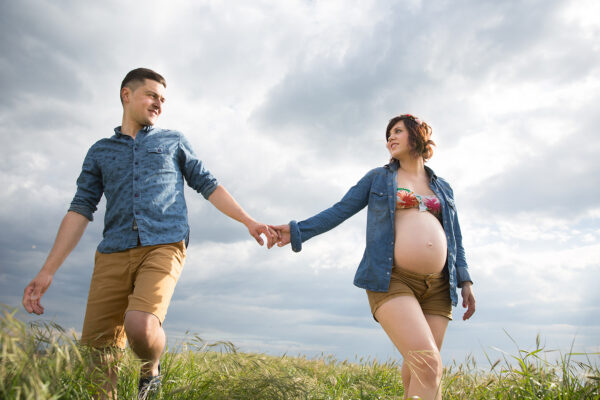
(140, 170)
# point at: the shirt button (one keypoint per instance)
(388, 273)
(137, 195)
(390, 258)
(137, 213)
(135, 178)
(135, 148)
(136, 163)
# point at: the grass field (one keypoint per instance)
(42, 361)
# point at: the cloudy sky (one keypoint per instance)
(287, 103)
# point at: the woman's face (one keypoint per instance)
(397, 143)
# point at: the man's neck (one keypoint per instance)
(130, 128)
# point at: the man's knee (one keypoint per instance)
(141, 326)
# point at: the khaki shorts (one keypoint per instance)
(139, 279)
(431, 290)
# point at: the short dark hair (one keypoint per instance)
(138, 75)
(419, 135)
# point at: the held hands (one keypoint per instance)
(283, 234)
(468, 300)
(34, 291)
(256, 229)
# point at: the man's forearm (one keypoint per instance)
(69, 233)
(225, 203)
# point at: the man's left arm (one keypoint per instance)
(224, 202)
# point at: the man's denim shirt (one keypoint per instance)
(142, 180)
(377, 189)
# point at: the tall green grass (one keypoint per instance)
(42, 361)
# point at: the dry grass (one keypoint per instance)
(42, 361)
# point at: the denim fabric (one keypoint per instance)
(142, 180)
(377, 190)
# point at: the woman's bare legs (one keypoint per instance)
(419, 338)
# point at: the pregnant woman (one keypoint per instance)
(414, 259)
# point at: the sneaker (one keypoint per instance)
(149, 385)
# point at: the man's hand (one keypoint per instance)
(256, 229)
(34, 291)
(283, 233)
(468, 300)
(225, 203)
(70, 231)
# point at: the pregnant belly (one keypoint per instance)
(420, 243)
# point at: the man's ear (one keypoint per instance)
(125, 94)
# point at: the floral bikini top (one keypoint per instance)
(407, 199)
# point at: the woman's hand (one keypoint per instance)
(468, 300)
(283, 234)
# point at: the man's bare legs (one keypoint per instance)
(146, 338)
(104, 368)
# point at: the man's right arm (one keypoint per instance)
(71, 229)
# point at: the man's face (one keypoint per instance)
(143, 102)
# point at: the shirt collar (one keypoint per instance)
(144, 129)
(394, 165)
(432, 175)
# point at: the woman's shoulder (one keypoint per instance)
(438, 179)
(378, 172)
(445, 185)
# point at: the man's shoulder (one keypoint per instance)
(102, 143)
(166, 133)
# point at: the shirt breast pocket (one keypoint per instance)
(160, 159)
(378, 201)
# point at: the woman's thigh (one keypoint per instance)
(404, 322)
(438, 325)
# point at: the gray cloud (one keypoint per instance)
(560, 180)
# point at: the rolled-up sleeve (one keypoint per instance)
(89, 188)
(353, 201)
(194, 171)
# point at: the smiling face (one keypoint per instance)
(142, 102)
(398, 144)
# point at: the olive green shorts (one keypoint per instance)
(431, 290)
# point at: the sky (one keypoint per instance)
(287, 103)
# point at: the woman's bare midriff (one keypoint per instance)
(420, 242)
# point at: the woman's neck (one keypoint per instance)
(412, 166)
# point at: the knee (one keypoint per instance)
(405, 372)
(140, 327)
(426, 367)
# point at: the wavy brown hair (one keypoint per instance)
(419, 135)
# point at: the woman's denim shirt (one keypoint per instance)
(377, 189)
